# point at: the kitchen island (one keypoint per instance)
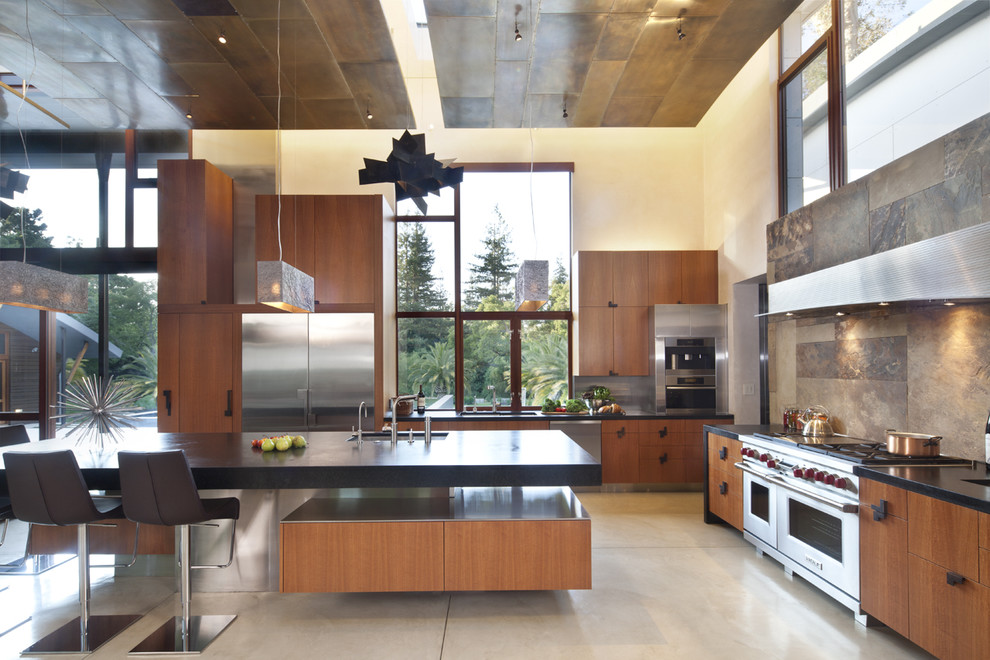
(273, 485)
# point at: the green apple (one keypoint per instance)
(298, 441)
(267, 444)
(283, 443)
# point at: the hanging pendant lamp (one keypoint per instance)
(532, 286)
(25, 285)
(280, 284)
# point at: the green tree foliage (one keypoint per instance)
(133, 319)
(419, 290)
(494, 270)
(34, 229)
(433, 369)
(544, 366)
(486, 358)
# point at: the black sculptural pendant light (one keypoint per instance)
(414, 172)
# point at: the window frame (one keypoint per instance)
(515, 318)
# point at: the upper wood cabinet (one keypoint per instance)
(195, 233)
(335, 238)
(688, 277)
(608, 279)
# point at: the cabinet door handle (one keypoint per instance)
(621, 432)
(952, 579)
(612, 373)
(168, 402)
(229, 412)
(879, 512)
(663, 432)
(663, 458)
(612, 304)
(722, 453)
(722, 488)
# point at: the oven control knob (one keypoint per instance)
(829, 479)
(799, 473)
(744, 451)
(840, 483)
(819, 476)
(771, 463)
(764, 458)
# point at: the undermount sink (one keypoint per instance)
(379, 436)
(488, 413)
(978, 482)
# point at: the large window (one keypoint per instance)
(865, 82)
(459, 334)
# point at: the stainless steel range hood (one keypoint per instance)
(953, 267)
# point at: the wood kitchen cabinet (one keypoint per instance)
(195, 233)
(883, 554)
(615, 293)
(725, 495)
(199, 373)
(335, 238)
(653, 450)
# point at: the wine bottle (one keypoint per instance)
(986, 440)
(420, 401)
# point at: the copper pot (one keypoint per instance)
(913, 444)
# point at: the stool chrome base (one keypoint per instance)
(75, 638)
(184, 635)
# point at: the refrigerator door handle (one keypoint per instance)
(306, 395)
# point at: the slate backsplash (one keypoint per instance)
(923, 369)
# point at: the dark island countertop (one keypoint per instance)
(949, 483)
(735, 430)
(462, 458)
(488, 416)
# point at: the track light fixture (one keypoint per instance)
(565, 109)
(188, 114)
(518, 36)
(223, 37)
(368, 114)
(680, 33)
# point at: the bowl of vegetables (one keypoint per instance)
(596, 397)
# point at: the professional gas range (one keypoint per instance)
(801, 504)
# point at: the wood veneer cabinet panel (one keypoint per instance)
(631, 279)
(947, 620)
(630, 348)
(665, 277)
(891, 499)
(168, 373)
(361, 556)
(883, 552)
(595, 341)
(153, 540)
(699, 277)
(620, 453)
(985, 548)
(945, 534)
(517, 555)
(594, 279)
(195, 233)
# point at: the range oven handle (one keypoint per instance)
(839, 506)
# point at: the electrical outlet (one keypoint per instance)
(749, 389)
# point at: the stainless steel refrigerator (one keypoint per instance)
(307, 371)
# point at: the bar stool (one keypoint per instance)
(158, 489)
(48, 489)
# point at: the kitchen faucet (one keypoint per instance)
(494, 398)
(364, 407)
(395, 420)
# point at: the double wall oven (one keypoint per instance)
(801, 505)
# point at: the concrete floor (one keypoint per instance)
(665, 586)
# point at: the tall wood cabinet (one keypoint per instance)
(615, 293)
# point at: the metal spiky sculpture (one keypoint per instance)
(414, 172)
(99, 409)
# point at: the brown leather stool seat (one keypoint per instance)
(158, 488)
(49, 489)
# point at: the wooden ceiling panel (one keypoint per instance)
(382, 84)
(356, 31)
(463, 7)
(295, 115)
(510, 94)
(631, 111)
(620, 35)
(339, 113)
(468, 112)
(126, 48)
(696, 89)
(100, 114)
(248, 9)
(243, 50)
(237, 103)
(306, 58)
(563, 51)
(175, 41)
(50, 33)
(138, 10)
(590, 109)
(42, 71)
(125, 90)
(464, 54)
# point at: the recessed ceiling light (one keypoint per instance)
(840, 313)
(788, 313)
(223, 37)
(883, 303)
(949, 303)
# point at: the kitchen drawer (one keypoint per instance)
(947, 620)
(671, 464)
(891, 499)
(725, 498)
(723, 453)
(945, 534)
(985, 548)
(883, 563)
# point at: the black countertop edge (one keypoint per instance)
(949, 483)
(454, 416)
(735, 430)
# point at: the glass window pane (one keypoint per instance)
(502, 224)
(426, 358)
(805, 101)
(134, 338)
(145, 210)
(441, 204)
(19, 364)
(803, 28)
(486, 362)
(61, 209)
(425, 266)
(544, 361)
(914, 70)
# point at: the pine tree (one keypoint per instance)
(493, 273)
(419, 290)
(34, 229)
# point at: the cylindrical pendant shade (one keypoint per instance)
(284, 286)
(25, 285)
(532, 285)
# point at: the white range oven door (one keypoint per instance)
(820, 536)
(759, 507)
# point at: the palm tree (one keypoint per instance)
(544, 366)
(434, 368)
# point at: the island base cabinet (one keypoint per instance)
(948, 620)
(361, 557)
(517, 555)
